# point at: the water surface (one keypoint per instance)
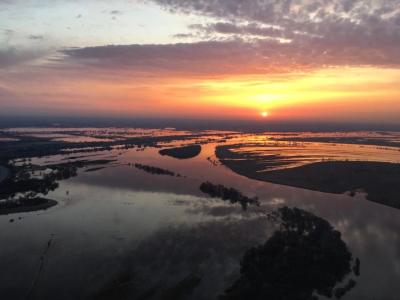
(162, 229)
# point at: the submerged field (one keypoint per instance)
(166, 214)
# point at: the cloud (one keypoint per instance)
(350, 29)
(116, 12)
(10, 56)
(211, 57)
(35, 37)
(249, 30)
(283, 11)
(257, 36)
(4, 92)
(262, 37)
(184, 35)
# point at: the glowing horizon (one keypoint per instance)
(200, 63)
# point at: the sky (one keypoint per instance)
(297, 60)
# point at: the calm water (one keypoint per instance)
(163, 229)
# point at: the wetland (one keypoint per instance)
(105, 213)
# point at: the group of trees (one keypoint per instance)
(230, 194)
(154, 170)
(304, 258)
(184, 152)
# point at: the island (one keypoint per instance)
(25, 205)
(154, 170)
(184, 152)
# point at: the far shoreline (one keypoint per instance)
(379, 180)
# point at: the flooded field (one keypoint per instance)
(131, 222)
(289, 154)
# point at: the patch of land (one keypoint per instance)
(29, 146)
(342, 140)
(25, 205)
(21, 179)
(155, 170)
(94, 169)
(378, 179)
(227, 194)
(182, 152)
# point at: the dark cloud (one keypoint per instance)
(184, 35)
(210, 57)
(282, 11)
(10, 56)
(116, 12)
(35, 37)
(8, 31)
(231, 57)
(349, 29)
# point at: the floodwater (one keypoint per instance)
(285, 154)
(162, 229)
(3, 173)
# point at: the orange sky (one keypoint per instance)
(207, 60)
(335, 94)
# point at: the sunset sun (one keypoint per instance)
(264, 114)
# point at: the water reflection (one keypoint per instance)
(305, 257)
(120, 231)
(275, 155)
(186, 261)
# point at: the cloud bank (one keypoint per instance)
(265, 36)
